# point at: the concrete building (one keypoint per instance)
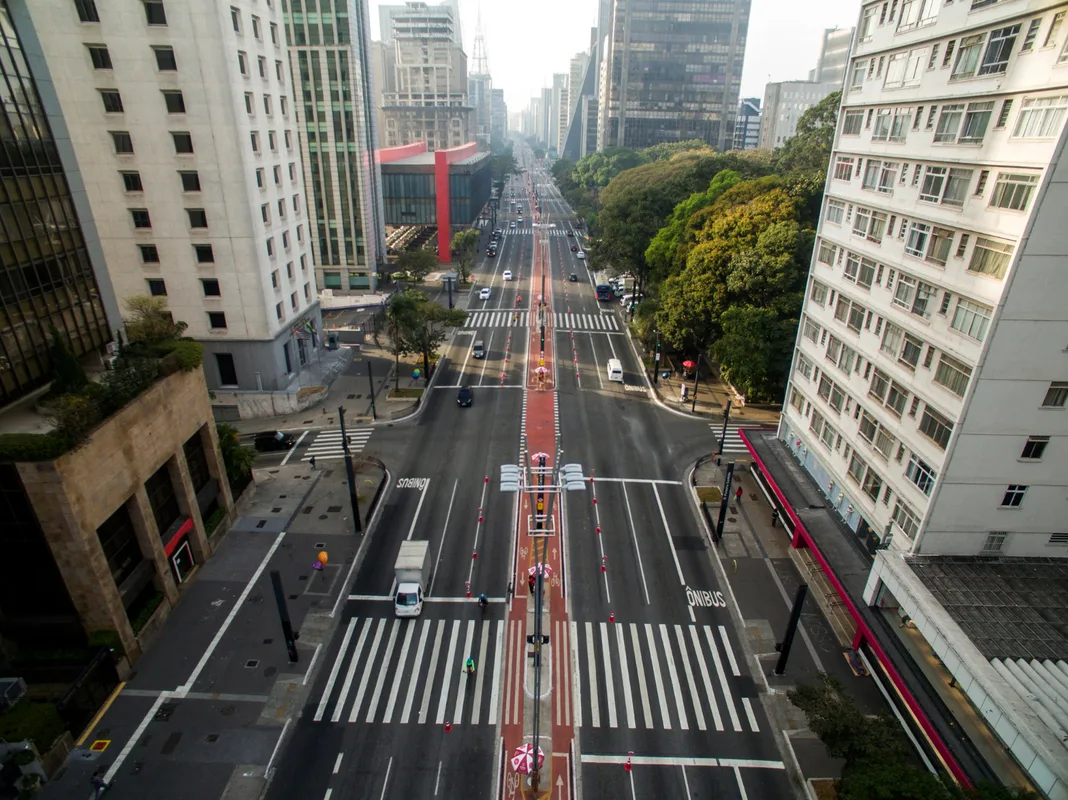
(425, 99)
(385, 20)
(545, 109)
(747, 124)
(784, 103)
(833, 57)
(498, 118)
(581, 93)
(330, 57)
(480, 97)
(671, 71)
(928, 394)
(181, 122)
(558, 117)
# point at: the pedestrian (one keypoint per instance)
(312, 462)
(99, 784)
(774, 517)
(738, 495)
(530, 583)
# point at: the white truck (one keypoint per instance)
(411, 576)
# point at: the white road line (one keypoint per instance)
(674, 675)
(722, 679)
(706, 681)
(667, 533)
(753, 726)
(639, 480)
(685, 782)
(334, 670)
(729, 651)
(643, 687)
(293, 449)
(463, 367)
(596, 363)
(461, 693)
(556, 668)
(311, 664)
(634, 538)
(624, 675)
(429, 687)
(346, 686)
(698, 712)
(741, 786)
(665, 714)
(496, 673)
(609, 682)
(449, 665)
(385, 782)
(372, 707)
(476, 708)
(337, 763)
(485, 358)
(444, 530)
(410, 697)
(277, 745)
(591, 666)
(418, 508)
(576, 691)
(683, 761)
(355, 712)
(398, 678)
(517, 665)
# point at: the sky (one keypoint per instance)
(528, 40)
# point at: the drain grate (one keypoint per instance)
(322, 516)
(268, 641)
(306, 510)
(276, 510)
(333, 509)
(165, 711)
(252, 663)
(351, 397)
(319, 545)
(261, 523)
(211, 738)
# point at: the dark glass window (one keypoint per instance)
(154, 12)
(165, 60)
(227, 370)
(132, 181)
(190, 181)
(119, 542)
(122, 141)
(149, 254)
(157, 287)
(175, 105)
(163, 500)
(140, 218)
(216, 319)
(112, 101)
(211, 287)
(99, 55)
(205, 254)
(197, 218)
(183, 142)
(87, 10)
(199, 474)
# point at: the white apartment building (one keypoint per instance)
(928, 390)
(784, 103)
(180, 118)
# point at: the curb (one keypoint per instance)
(649, 384)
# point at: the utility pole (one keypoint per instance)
(696, 375)
(371, 382)
(791, 628)
(351, 473)
(656, 359)
(723, 435)
(723, 502)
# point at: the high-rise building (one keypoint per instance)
(747, 124)
(784, 103)
(182, 122)
(480, 91)
(559, 119)
(834, 55)
(581, 89)
(385, 20)
(498, 118)
(425, 99)
(671, 72)
(331, 60)
(47, 254)
(545, 120)
(928, 396)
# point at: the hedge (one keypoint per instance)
(30, 721)
(146, 612)
(33, 446)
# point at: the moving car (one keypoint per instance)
(484, 294)
(273, 440)
(479, 350)
(491, 251)
(465, 397)
(520, 217)
(571, 234)
(512, 224)
(507, 275)
(573, 277)
(574, 248)
(615, 370)
(580, 256)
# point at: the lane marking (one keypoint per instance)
(392, 702)
(647, 711)
(500, 626)
(293, 449)
(576, 690)
(722, 679)
(660, 696)
(429, 686)
(334, 670)
(698, 712)
(346, 686)
(366, 673)
(476, 708)
(730, 652)
(444, 531)
(385, 783)
(444, 699)
(753, 726)
(406, 712)
(609, 680)
(591, 666)
(337, 762)
(624, 672)
(667, 532)
(741, 786)
(277, 745)
(674, 675)
(706, 681)
(418, 508)
(376, 695)
(681, 761)
(311, 664)
(634, 538)
(461, 685)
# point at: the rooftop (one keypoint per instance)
(426, 159)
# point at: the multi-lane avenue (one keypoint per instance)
(646, 684)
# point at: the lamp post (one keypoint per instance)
(351, 473)
(656, 357)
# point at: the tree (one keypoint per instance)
(810, 147)
(417, 263)
(67, 373)
(504, 165)
(150, 322)
(464, 247)
(236, 458)
(400, 316)
(754, 350)
(426, 324)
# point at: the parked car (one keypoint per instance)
(465, 397)
(484, 294)
(273, 440)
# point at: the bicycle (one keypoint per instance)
(469, 668)
(483, 605)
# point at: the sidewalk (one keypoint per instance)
(207, 706)
(757, 560)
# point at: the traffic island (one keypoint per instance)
(537, 686)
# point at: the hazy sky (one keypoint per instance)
(528, 40)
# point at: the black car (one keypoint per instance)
(570, 233)
(574, 248)
(464, 397)
(273, 440)
(491, 252)
(573, 277)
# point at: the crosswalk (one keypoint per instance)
(327, 444)
(733, 444)
(528, 231)
(561, 320)
(499, 319)
(669, 677)
(585, 322)
(410, 671)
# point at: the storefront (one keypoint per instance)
(180, 554)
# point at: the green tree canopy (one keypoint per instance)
(150, 321)
(422, 324)
(67, 373)
(464, 247)
(810, 147)
(418, 263)
(754, 350)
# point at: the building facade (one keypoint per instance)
(784, 103)
(834, 56)
(929, 389)
(671, 71)
(498, 119)
(426, 99)
(182, 125)
(480, 97)
(747, 124)
(331, 60)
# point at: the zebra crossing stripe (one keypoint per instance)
(647, 712)
(698, 713)
(377, 694)
(624, 671)
(406, 713)
(722, 679)
(347, 685)
(706, 681)
(674, 675)
(661, 697)
(429, 687)
(396, 683)
(461, 693)
(575, 678)
(496, 675)
(591, 665)
(444, 699)
(334, 670)
(613, 719)
(367, 673)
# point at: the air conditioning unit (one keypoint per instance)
(11, 691)
(112, 348)
(109, 362)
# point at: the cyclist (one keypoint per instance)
(469, 666)
(483, 601)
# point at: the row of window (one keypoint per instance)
(261, 66)
(100, 57)
(268, 104)
(959, 123)
(198, 218)
(205, 254)
(157, 287)
(256, 24)
(155, 12)
(927, 242)
(936, 184)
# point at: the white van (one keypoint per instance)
(615, 370)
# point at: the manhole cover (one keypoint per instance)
(319, 545)
(226, 711)
(268, 641)
(252, 663)
(308, 421)
(352, 397)
(333, 509)
(261, 523)
(267, 673)
(322, 516)
(276, 510)
(732, 519)
(306, 510)
(165, 711)
(302, 578)
(211, 738)
(283, 496)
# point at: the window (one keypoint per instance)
(952, 374)
(307, 291)
(289, 139)
(282, 209)
(971, 319)
(850, 313)
(256, 27)
(265, 213)
(1013, 191)
(917, 13)
(934, 179)
(165, 61)
(831, 392)
(1056, 395)
(217, 320)
(277, 175)
(197, 218)
(1003, 114)
(235, 19)
(867, 23)
(857, 81)
(210, 287)
(803, 365)
(112, 101)
(1014, 495)
(938, 249)
(272, 141)
(971, 47)
(242, 62)
(296, 204)
(819, 293)
(131, 181)
(872, 484)
(936, 427)
(274, 34)
(300, 233)
(825, 253)
(860, 270)
(140, 218)
(262, 64)
(905, 69)
(279, 71)
(154, 13)
(976, 120)
(948, 57)
(883, 123)
(870, 224)
(857, 468)
(292, 171)
(930, 118)
(99, 55)
(835, 211)
(156, 287)
(990, 257)
(270, 246)
(87, 10)
(957, 187)
(852, 123)
(283, 105)
(204, 253)
(274, 279)
(1040, 117)
(905, 519)
(921, 473)
(285, 240)
(998, 50)
(949, 122)
(174, 101)
(183, 142)
(809, 329)
(255, 137)
(1031, 35)
(293, 301)
(267, 105)
(190, 181)
(916, 243)
(1055, 26)
(1034, 447)
(841, 355)
(279, 311)
(995, 541)
(843, 168)
(932, 62)
(149, 254)
(289, 271)
(304, 268)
